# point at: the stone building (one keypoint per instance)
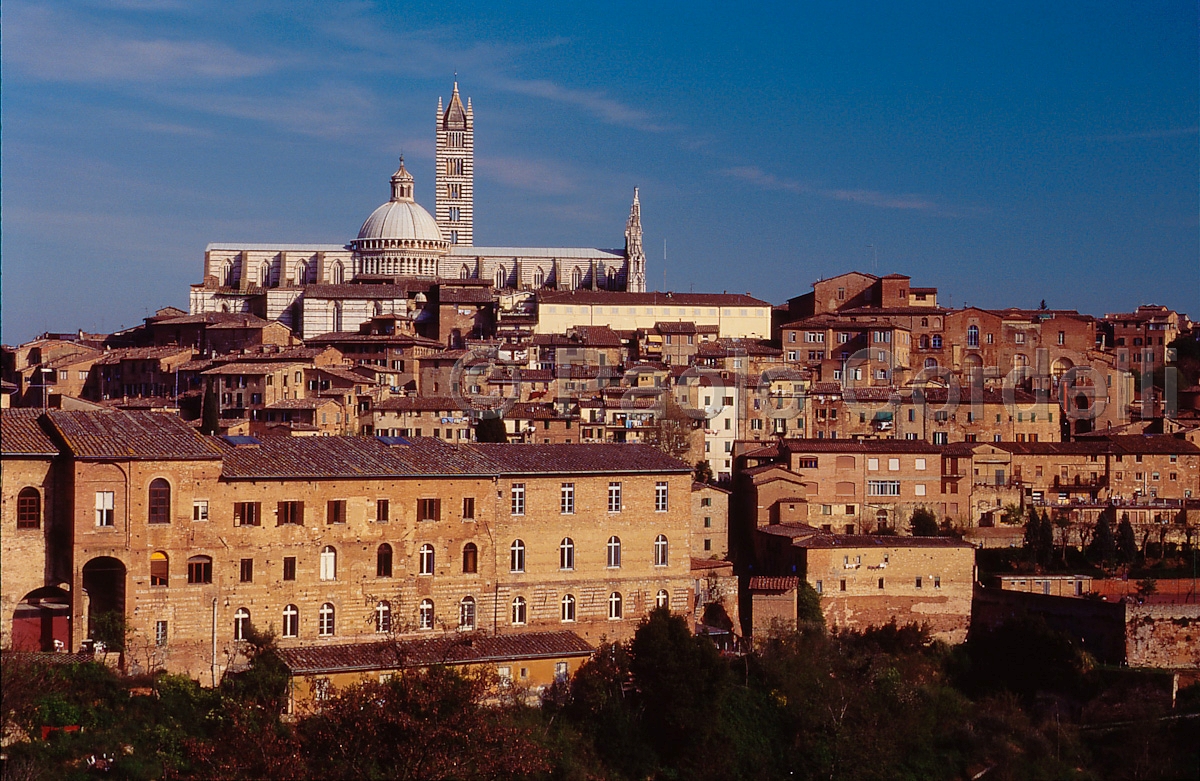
(337, 539)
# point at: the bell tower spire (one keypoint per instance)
(455, 173)
(635, 256)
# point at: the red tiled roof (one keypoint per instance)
(678, 327)
(859, 446)
(135, 435)
(467, 295)
(774, 583)
(244, 367)
(702, 564)
(20, 434)
(824, 540)
(581, 458)
(457, 648)
(422, 404)
(620, 298)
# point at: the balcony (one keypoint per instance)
(1080, 483)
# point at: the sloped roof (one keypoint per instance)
(135, 435)
(457, 648)
(774, 583)
(21, 435)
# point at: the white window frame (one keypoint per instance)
(661, 495)
(566, 554)
(426, 559)
(520, 611)
(566, 500)
(614, 497)
(516, 556)
(613, 552)
(328, 563)
(425, 614)
(518, 498)
(291, 621)
(662, 551)
(326, 620)
(106, 509)
(567, 606)
(616, 607)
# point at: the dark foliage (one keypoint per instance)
(923, 523)
(490, 428)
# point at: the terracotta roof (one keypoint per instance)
(422, 404)
(678, 327)
(882, 446)
(597, 335)
(136, 435)
(21, 435)
(774, 583)
(465, 295)
(528, 411)
(789, 530)
(457, 648)
(702, 564)
(337, 337)
(581, 458)
(142, 354)
(620, 298)
(309, 403)
(370, 457)
(341, 372)
(211, 318)
(366, 291)
(244, 367)
(877, 541)
(709, 486)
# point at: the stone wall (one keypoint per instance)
(1165, 636)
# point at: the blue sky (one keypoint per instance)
(1005, 153)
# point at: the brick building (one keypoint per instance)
(335, 539)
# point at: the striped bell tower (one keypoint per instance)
(455, 176)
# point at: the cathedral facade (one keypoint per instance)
(402, 250)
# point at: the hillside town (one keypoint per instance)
(406, 450)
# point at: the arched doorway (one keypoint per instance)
(104, 585)
(42, 620)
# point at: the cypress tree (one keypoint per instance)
(1103, 547)
(1126, 541)
(210, 416)
(1045, 540)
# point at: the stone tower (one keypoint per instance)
(635, 281)
(455, 178)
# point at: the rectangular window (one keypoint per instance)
(918, 582)
(919, 464)
(842, 585)
(199, 570)
(706, 501)
(468, 508)
(660, 496)
(883, 488)
(289, 567)
(566, 501)
(383, 510)
(937, 581)
(335, 511)
(247, 514)
(808, 463)
(429, 509)
(518, 498)
(160, 633)
(246, 572)
(614, 497)
(200, 510)
(290, 513)
(105, 502)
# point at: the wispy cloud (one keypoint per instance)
(531, 175)
(50, 45)
(882, 200)
(595, 103)
(326, 110)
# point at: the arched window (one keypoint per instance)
(566, 554)
(1020, 360)
(264, 275)
(328, 563)
(518, 611)
(383, 616)
(200, 569)
(339, 273)
(291, 621)
(662, 599)
(325, 620)
(301, 273)
(425, 560)
(29, 509)
(500, 276)
(972, 336)
(470, 558)
(539, 278)
(466, 613)
(614, 606)
(160, 501)
(614, 551)
(160, 569)
(383, 561)
(612, 278)
(516, 556)
(568, 607)
(660, 550)
(337, 315)
(931, 363)
(425, 614)
(923, 342)
(464, 273)
(241, 624)
(936, 341)
(576, 279)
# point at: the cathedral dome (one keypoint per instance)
(401, 219)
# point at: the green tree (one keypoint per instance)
(923, 523)
(703, 472)
(1126, 541)
(264, 682)
(490, 428)
(210, 416)
(1103, 547)
(1045, 540)
(808, 605)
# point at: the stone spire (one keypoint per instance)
(402, 183)
(635, 281)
